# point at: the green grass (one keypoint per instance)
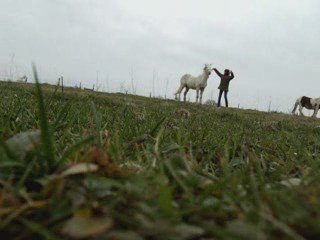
(151, 173)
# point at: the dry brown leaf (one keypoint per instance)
(100, 157)
(80, 168)
(84, 224)
(182, 112)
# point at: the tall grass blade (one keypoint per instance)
(154, 130)
(54, 94)
(46, 135)
(62, 115)
(97, 121)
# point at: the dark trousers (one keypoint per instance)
(225, 97)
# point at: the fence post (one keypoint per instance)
(62, 83)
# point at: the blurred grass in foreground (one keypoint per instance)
(113, 166)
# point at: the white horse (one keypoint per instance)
(198, 83)
(22, 79)
(308, 103)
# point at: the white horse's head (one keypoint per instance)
(207, 68)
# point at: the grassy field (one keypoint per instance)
(81, 164)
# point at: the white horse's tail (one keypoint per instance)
(175, 94)
(178, 92)
(297, 103)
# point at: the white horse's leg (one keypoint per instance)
(197, 97)
(316, 109)
(295, 106)
(300, 110)
(178, 92)
(201, 92)
(185, 93)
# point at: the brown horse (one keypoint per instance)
(308, 103)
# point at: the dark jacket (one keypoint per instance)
(225, 79)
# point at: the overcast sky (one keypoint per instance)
(272, 46)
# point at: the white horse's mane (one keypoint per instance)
(198, 83)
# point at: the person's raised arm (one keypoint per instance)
(232, 76)
(217, 72)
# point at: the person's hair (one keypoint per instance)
(227, 71)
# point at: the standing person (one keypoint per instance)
(224, 84)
